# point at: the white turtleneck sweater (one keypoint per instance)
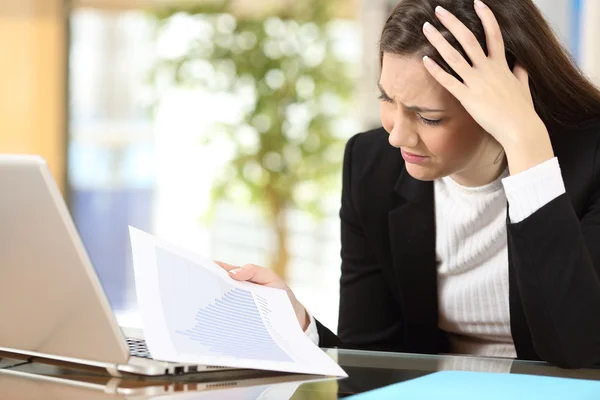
(471, 250)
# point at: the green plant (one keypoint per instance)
(286, 151)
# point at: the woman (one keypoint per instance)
(478, 230)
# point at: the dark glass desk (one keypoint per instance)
(367, 370)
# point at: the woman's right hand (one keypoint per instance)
(266, 277)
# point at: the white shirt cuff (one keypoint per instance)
(311, 331)
(531, 190)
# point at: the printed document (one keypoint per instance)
(194, 312)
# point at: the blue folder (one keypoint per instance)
(455, 385)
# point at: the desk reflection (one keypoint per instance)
(20, 379)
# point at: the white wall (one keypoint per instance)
(558, 14)
(372, 17)
(590, 45)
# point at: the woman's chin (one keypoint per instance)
(423, 172)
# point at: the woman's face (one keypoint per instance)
(435, 134)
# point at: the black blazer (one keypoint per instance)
(388, 286)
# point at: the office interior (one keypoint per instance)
(84, 84)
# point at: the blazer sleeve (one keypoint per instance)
(369, 317)
(556, 262)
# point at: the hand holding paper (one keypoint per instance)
(193, 312)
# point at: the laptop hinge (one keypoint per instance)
(113, 371)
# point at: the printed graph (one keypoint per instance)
(232, 326)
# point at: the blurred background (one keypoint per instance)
(218, 125)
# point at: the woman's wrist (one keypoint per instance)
(302, 315)
(527, 149)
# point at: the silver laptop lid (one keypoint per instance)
(51, 300)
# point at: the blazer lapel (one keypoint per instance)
(412, 236)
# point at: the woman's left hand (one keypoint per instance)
(498, 99)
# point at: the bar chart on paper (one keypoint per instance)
(194, 312)
(222, 320)
(242, 336)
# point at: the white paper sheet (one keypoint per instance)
(193, 312)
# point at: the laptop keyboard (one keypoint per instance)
(138, 348)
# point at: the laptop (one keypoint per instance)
(52, 305)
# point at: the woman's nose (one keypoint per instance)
(403, 136)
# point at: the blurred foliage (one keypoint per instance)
(286, 151)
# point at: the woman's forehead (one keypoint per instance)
(406, 80)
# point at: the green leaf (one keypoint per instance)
(293, 119)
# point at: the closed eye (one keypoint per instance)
(385, 98)
(431, 122)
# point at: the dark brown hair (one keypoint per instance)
(562, 95)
